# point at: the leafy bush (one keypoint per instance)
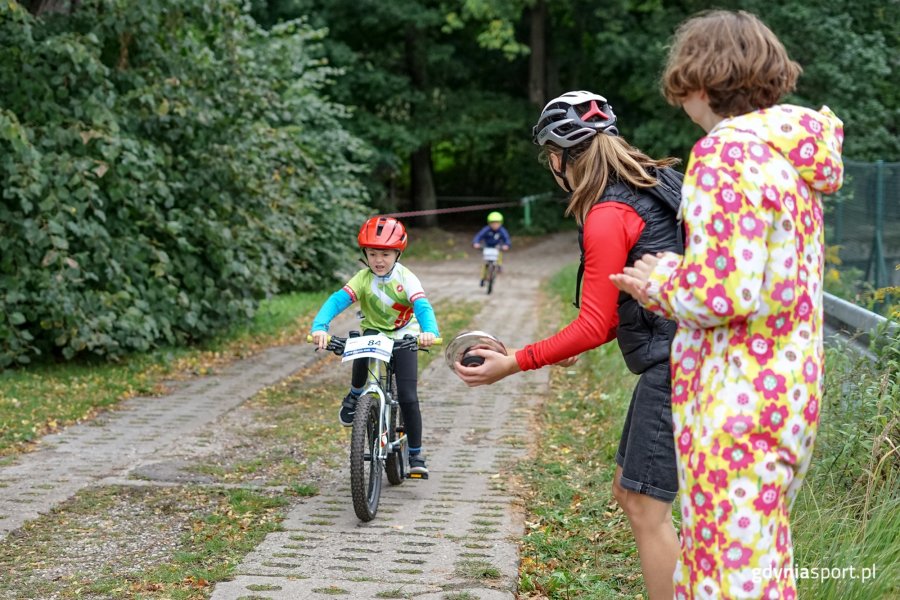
(163, 167)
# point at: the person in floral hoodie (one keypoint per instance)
(747, 358)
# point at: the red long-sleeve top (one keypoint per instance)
(611, 229)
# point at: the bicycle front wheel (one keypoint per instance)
(366, 464)
(492, 274)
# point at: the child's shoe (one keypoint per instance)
(348, 410)
(417, 465)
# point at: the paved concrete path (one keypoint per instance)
(115, 443)
(439, 538)
(425, 531)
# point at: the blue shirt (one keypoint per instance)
(490, 238)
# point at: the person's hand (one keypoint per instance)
(320, 339)
(567, 362)
(476, 246)
(426, 339)
(635, 280)
(504, 247)
(496, 366)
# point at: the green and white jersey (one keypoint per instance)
(387, 302)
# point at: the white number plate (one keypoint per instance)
(368, 346)
(490, 253)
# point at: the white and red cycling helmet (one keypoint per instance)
(574, 117)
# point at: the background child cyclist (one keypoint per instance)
(492, 235)
(748, 357)
(393, 303)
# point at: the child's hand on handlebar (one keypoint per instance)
(476, 246)
(320, 339)
(426, 339)
(504, 247)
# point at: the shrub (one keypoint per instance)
(163, 167)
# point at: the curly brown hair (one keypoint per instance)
(734, 58)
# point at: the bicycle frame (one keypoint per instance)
(378, 384)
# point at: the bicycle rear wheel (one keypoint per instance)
(365, 458)
(395, 465)
(397, 461)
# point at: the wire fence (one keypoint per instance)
(862, 226)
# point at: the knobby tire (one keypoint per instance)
(492, 274)
(365, 475)
(395, 465)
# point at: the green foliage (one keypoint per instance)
(848, 510)
(163, 169)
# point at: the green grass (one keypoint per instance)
(218, 528)
(477, 569)
(437, 244)
(41, 398)
(848, 512)
(453, 317)
(578, 543)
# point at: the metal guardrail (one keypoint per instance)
(861, 326)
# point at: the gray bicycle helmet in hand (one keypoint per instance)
(572, 118)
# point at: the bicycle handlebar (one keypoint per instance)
(407, 342)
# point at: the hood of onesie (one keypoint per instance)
(810, 140)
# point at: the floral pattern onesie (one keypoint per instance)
(748, 357)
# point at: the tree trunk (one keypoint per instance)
(421, 180)
(422, 184)
(537, 65)
(39, 7)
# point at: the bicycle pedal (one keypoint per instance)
(417, 475)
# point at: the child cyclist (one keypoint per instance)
(393, 303)
(747, 296)
(492, 235)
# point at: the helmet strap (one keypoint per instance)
(562, 172)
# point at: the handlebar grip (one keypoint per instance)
(309, 339)
(438, 341)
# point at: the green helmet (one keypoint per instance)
(494, 216)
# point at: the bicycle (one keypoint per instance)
(377, 439)
(491, 268)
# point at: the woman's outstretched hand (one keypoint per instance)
(496, 366)
(635, 280)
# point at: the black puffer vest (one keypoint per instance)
(644, 337)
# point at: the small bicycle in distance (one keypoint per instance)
(378, 440)
(491, 267)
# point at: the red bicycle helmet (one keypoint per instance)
(382, 232)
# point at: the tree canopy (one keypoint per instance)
(165, 166)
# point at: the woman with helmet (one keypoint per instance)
(392, 302)
(492, 235)
(625, 204)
